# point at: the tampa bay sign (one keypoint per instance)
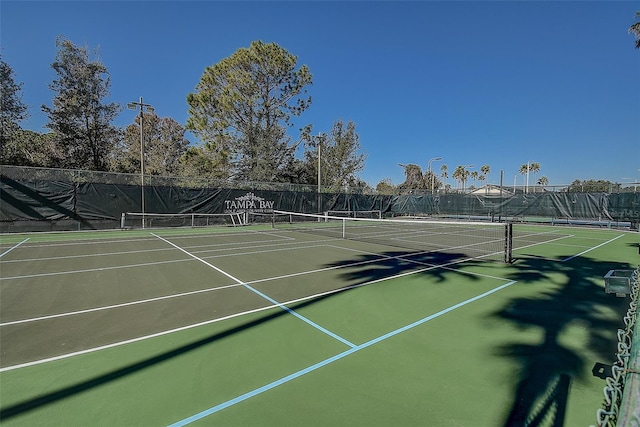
(248, 202)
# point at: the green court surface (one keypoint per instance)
(251, 326)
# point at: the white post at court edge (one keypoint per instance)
(142, 107)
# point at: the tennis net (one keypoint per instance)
(356, 214)
(480, 240)
(157, 220)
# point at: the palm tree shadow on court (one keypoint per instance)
(367, 268)
(373, 267)
(547, 368)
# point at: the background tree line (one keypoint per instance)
(242, 110)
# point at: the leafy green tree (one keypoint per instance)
(164, 145)
(299, 172)
(590, 186)
(12, 112)
(386, 187)
(358, 186)
(28, 148)
(341, 156)
(202, 161)
(243, 106)
(635, 30)
(79, 117)
(413, 179)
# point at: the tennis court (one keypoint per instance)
(233, 326)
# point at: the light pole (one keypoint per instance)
(142, 107)
(528, 169)
(430, 171)
(319, 176)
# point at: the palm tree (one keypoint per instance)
(535, 168)
(461, 174)
(474, 176)
(635, 30)
(524, 169)
(457, 175)
(544, 181)
(444, 173)
(485, 170)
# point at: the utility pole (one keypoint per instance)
(142, 107)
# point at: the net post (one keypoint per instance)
(508, 243)
(344, 228)
(122, 220)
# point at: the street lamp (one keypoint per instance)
(528, 169)
(320, 138)
(142, 107)
(432, 174)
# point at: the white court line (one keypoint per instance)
(542, 243)
(589, 250)
(433, 266)
(195, 325)
(166, 250)
(124, 304)
(268, 279)
(89, 270)
(292, 246)
(12, 248)
(286, 276)
(133, 340)
(282, 306)
(51, 258)
(331, 359)
(573, 256)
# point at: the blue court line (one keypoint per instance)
(332, 359)
(240, 282)
(10, 249)
(299, 316)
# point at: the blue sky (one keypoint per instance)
(480, 82)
